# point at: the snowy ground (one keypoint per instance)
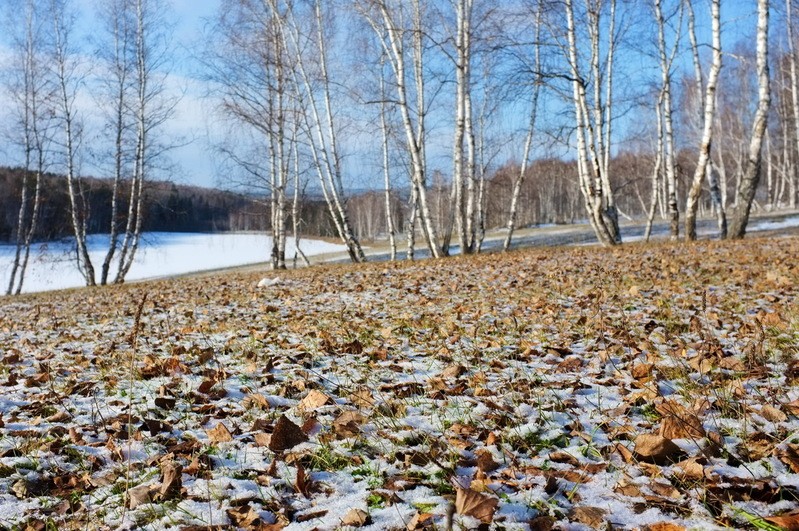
(639, 388)
(161, 254)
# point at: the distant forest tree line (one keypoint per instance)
(474, 114)
(167, 207)
(548, 196)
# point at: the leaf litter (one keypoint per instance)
(647, 387)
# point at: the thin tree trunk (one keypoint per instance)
(659, 155)
(390, 228)
(392, 37)
(747, 185)
(792, 188)
(27, 124)
(120, 67)
(68, 118)
(590, 135)
(605, 127)
(668, 158)
(414, 208)
(528, 141)
(130, 243)
(708, 115)
(324, 134)
(19, 229)
(770, 184)
(295, 205)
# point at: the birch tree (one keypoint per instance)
(386, 162)
(667, 158)
(536, 84)
(656, 171)
(116, 88)
(464, 187)
(747, 185)
(399, 28)
(152, 108)
(709, 105)
(68, 77)
(792, 188)
(320, 118)
(593, 118)
(31, 92)
(252, 72)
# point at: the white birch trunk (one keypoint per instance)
(792, 180)
(390, 228)
(324, 135)
(33, 147)
(747, 185)
(703, 161)
(667, 144)
(392, 36)
(590, 135)
(68, 117)
(659, 153)
(295, 205)
(130, 242)
(120, 67)
(528, 141)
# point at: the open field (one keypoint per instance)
(644, 387)
(162, 254)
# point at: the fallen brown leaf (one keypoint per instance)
(679, 422)
(244, 517)
(787, 521)
(421, 521)
(475, 504)
(542, 523)
(772, 414)
(355, 518)
(348, 424)
(656, 449)
(219, 434)
(485, 461)
(171, 483)
(303, 482)
(286, 435)
(313, 400)
(663, 526)
(590, 516)
(140, 495)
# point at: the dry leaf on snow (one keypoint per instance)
(590, 516)
(140, 495)
(788, 521)
(656, 449)
(663, 526)
(348, 424)
(171, 483)
(219, 434)
(475, 504)
(355, 518)
(421, 521)
(313, 400)
(286, 435)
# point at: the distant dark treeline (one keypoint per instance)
(169, 207)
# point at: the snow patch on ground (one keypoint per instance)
(161, 254)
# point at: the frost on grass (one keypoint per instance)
(649, 387)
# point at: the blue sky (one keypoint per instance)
(194, 121)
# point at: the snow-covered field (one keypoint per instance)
(637, 388)
(161, 254)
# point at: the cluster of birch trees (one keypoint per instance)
(71, 108)
(314, 82)
(457, 109)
